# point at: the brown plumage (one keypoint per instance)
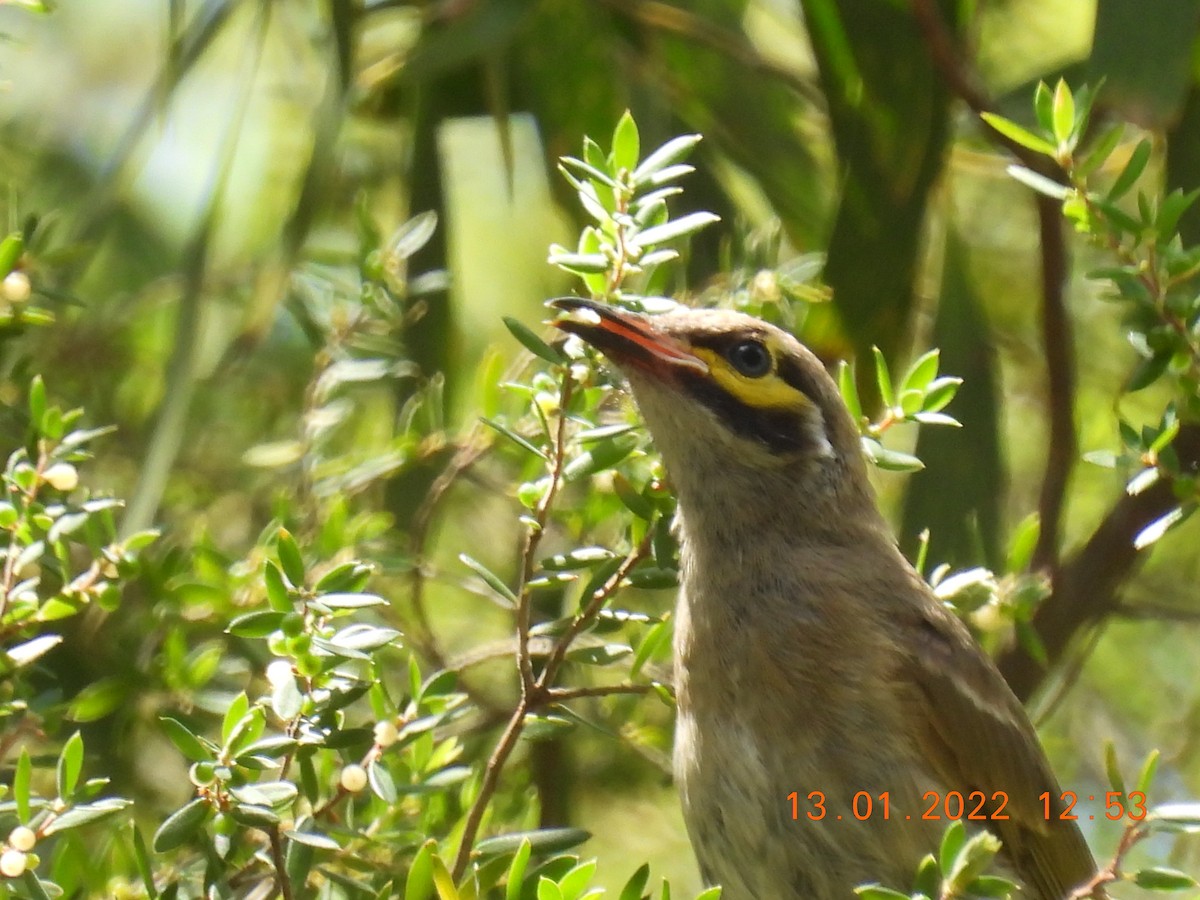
(810, 656)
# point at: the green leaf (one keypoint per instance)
(21, 780)
(548, 890)
(655, 638)
(1043, 107)
(265, 793)
(890, 460)
(634, 501)
(86, 814)
(636, 885)
(277, 592)
(579, 558)
(940, 392)
(671, 152)
(1163, 879)
(675, 228)
(1063, 115)
(238, 708)
(922, 372)
(514, 437)
(70, 764)
(1039, 183)
(381, 782)
(98, 699)
(991, 886)
(601, 455)
(589, 170)
(1132, 171)
(878, 892)
(10, 251)
(181, 825)
(351, 601)
(883, 379)
(290, 558)
(413, 235)
(1173, 206)
(1022, 543)
(419, 884)
(849, 390)
(37, 400)
(256, 624)
(516, 871)
(1019, 135)
(625, 145)
(185, 741)
(953, 841)
(533, 343)
(543, 841)
(491, 579)
(578, 263)
(1149, 767)
(1099, 154)
(254, 816)
(141, 855)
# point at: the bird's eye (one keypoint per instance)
(751, 358)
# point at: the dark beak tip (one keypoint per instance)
(566, 304)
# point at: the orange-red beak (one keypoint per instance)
(626, 338)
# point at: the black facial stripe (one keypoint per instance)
(779, 430)
(787, 370)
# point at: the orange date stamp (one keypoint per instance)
(973, 806)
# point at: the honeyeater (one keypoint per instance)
(818, 677)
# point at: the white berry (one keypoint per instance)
(16, 287)
(279, 672)
(354, 778)
(12, 863)
(386, 733)
(22, 838)
(61, 476)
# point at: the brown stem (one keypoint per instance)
(1058, 343)
(534, 537)
(279, 860)
(1088, 582)
(585, 618)
(557, 695)
(1134, 832)
(491, 777)
(1056, 325)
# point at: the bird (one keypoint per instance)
(815, 670)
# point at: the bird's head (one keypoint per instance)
(729, 397)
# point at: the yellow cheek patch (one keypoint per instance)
(766, 392)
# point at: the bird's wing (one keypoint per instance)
(973, 729)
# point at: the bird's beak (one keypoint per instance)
(626, 338)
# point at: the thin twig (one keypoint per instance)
(279, 860)
(557, 695)
(589, 613)
(533, 538)
(1134, 832)
(491, 777)
(1056, 324)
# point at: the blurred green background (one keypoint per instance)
(192, 174)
